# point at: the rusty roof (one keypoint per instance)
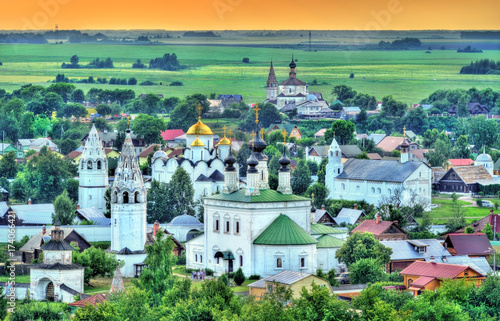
(470, 174)
(371, 226)
(93, 300)
(390, 143)
(435, 270)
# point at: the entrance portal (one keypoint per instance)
(50, 292)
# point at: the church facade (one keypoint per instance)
(376, 180)
(201, 159)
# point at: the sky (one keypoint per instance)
(251, 14)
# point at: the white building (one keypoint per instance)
(128, 211)
(57, 278)
(374, 180)
(202, 161)
(258, 229)
(185, 227)
(486, 161)
(93, 173)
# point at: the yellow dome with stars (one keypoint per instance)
(199, 129)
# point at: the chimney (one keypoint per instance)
(323, 207)
(355, 206)
(156, 227)
(377, 218)
(44, 230)
(29, 201)
(77, 206)
(396, 223)
(432, 259)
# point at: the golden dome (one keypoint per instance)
(224, 141)
(199, 129)
(197, 143)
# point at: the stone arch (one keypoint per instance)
(42, 289)
(89, 164)
(99, 164)
(125, 197)
(114, 197)
(137, 197)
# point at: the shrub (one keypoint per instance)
(246, 60)
(209, 272)
(181, 260)
(254, 277)
(147, 83)
(224, 279)
(41, 311)
(479, 202)
(239, 277)
(1, 63)
(320, 273)
(330, 276)
(101, 244)
(176, 83)
(395, 277)
(132, 81)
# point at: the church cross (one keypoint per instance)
(285, 135)
(262, 132)
(230, 133)
(253, 136)
(224, 128)
(404, 131)
(312, 195)
(199, 108)
(256, 113)
(128, 122)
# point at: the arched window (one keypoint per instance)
(343, 186)
(338, 171)
(201, 258)
(337, 153)
(83, 164)
(302, 262)
(279, 263)
(379, 191)
(196, 257)
(89, 165)
(227, 226)
(98, 164)
(90, 197)
(241, 260)
(373, 190)
(136, 197)
(125, 197)
(389, 191)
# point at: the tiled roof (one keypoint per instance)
(348, 216)
(479, 264)
(148, 150)
(284, 231)
(461, 161)
(317, 229)
(266, 195)
(328, 241)
(93, 214)
(371, 226)
(374, 156)
(74, 154)
(292, 82)
(57, 245)
(378, 170)
(469, 244)
(93, 300)
(434, 270)
(390, 143)
(405, 250)
(422, 281)
(57, 266)
(35, 213)
(419, 153)
(285, 277)
(171, 134)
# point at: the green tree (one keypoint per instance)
(457, 214)
(101, 311)
(26, 124)
(462, 109)
(103, 109)
(185, 114)
(52, 102)
(68, 145)
(78, 96)
(320, 194)
(461, 149)
(481, 131)
(343, 92)
(157, 277)
(16, 107)
(151, 103)
(96, 262)
(300, 178)
(342, 130)
(8, 165)
(64, 209)
(363, 246)
(417, 121)
(364, 101)
(440, 154)
(488, 230)
(74, 60)
(64, 90)
(268, 114)
(242, 157)
(239, 277)
(366, 270)
(149, 128)
(157, 207)
(392, 107)
(322, 171)
(180, 195)
(101, 124)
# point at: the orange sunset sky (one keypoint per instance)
(250, 14)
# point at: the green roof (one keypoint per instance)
(323, 229)
(326, 241)
(266, 195)
(284, 231)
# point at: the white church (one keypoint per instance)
(261, 230)
(374, 180)
(201, 159)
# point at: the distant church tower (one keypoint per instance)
(334, 167)
(271, 84)
(93, 173)
(128, 210)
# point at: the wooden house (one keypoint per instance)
(473, 245)
(463, 179)
(382, 230)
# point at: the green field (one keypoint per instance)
(407, 75)
(444, 211)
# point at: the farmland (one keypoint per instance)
(409, 75)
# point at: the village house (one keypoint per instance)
(475, 108)
(381, 230)
(348, 216)
(478, 226)
(420, 276)
(464, 179)
(390, 143)
(473, 245)
(322, 216)
(292, 130)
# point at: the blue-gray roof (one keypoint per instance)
(4, 208)
(377, 138)
(378, 170)
(404, 250)
(348, 216)
(38, 214)
(480, 264)
(93, 214)
(185, 219)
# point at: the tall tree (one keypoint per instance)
(482, 131)
(417, 121)
(462, 109)
(180, 194)
(461, 149)
(151, 104)
(320, 192)
(64, 209)
(363, 246)
(342, 130)
(8, 165)
(96, 262)
(343, 92)
(149, 128)
(157, 207)
(393, 107)
(301, 178)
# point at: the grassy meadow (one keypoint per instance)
(409, 75)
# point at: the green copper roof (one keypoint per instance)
(323, 229)
(284, 231)
(329, 241)
(266, 195)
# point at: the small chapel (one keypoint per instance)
(202, 160)
(261, 230)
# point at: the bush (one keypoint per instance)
(239, 277)
(320, 273)
(181, 260)
(132, 81)
(395, 277)
(246, 60)
(330, 276)
(101, 244)
(254, 277)
(176, 83)
(148, 83)
(224, 279)
(1, 63)
(209, 272)
(41, 311)
(479, 202)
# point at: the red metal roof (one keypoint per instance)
(74, 154)
(422, 281)
(469, 244)
(434, 270)
(461, 161)
(371, 226)
(148, 150)
(94, 299)
(171, 134)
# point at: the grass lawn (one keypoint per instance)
(19, 278)
(444, 211)
(102, 285)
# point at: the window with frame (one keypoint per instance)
(216, 229)
(279, 263)
(410, 282)
(302, 262)
(227, 227)
(237, 228)
(241, 260)
(196, 257)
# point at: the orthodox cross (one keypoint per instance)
(128, 122)
(230, 133)
(199, 108)
(256, 113)
(262, 132)
(224, 128)
(253, 137)
(404, 131)
(312, 195)
(285, 135)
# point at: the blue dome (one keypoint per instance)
(185, 220)
(160, 154)
(484, 158)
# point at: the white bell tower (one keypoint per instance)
(334, 167)
(93, 173)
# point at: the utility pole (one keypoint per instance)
(57, 38)
(310, 41)
(494, 239)
(3, 139)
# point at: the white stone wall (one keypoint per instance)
(40, 279)
(265, 259)
(326, 259)
(128, 226)
(128, 270)
(52, 257)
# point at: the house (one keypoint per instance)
(405, 252)
(473, 245)
(348, 216)
(33, 214)
(377, 138)
(322, 216)
(479, 226)
(390, 143)
(312, 108)
(318, 152)
(460, 162)
(32, 249)
(317, 230)
(381, 230)
(4, 195)
(437, 173)
(410, 135)
(292, 280)
(320, 134)
(350, 151)
(227, 100)
(480, 264)
(92, 214)
(327, 247)
(177, 249)
(464, 179)
(7, 148)
(474, 109)
(421, 275)
(349, 112)
(38, 143)
(151, 149)
(292, 130)
(170, 135)
(419, 154)
(374, 156)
